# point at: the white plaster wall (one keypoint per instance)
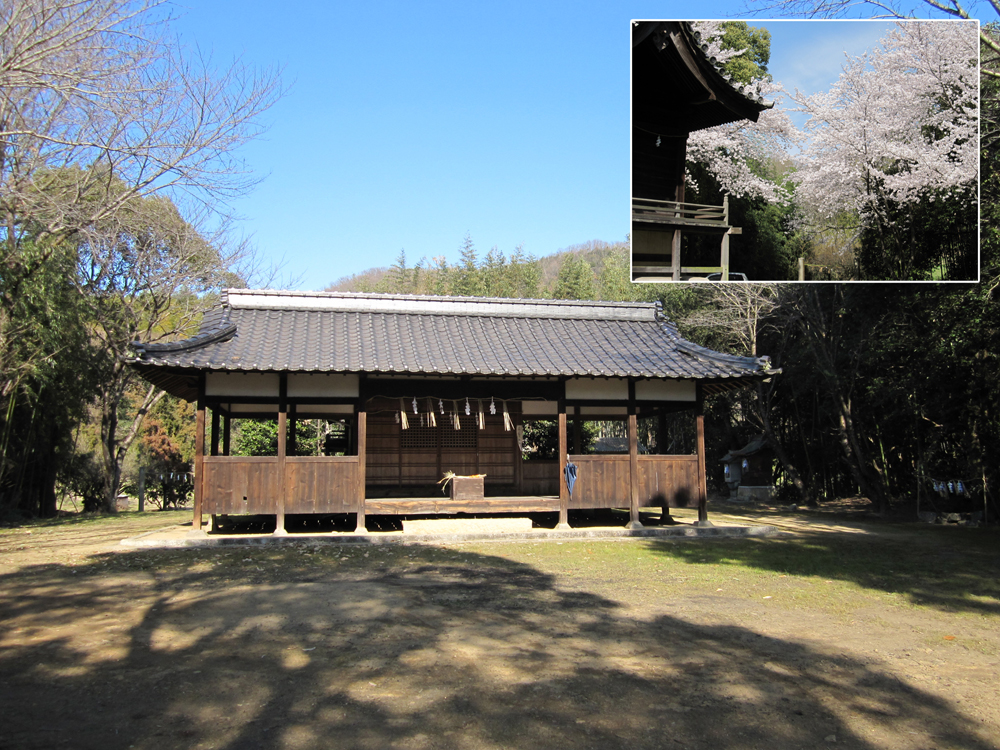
(241, 384)
(318, 385)
(652, 243)
(665, 390)
(543, 408)
(597, 388)
(253, 408)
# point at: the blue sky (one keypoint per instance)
(409, 124)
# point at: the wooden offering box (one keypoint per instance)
(467, 488)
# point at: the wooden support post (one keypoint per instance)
(661, 449)
(633, 470)
(675, 255)
(362, 441)
(292, 430)
(215, 431)
(227, 424)
(563, 489)
(675, 251)
(279, 527)
(577, 433)
(724, 260)
(702, 480)
(518, 420)
(199, 464)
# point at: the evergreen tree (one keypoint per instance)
(575, 280)
(468, 280)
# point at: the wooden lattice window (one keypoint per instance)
(419, 437)
(467, 437)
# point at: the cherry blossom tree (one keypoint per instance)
(899, 127)
(737, 154)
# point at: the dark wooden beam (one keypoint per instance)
(215, 431)
(563, 489)
(702, 479)
(633, 472)
(199, 457)
(362, 438)
(279, 528)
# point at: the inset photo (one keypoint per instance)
(768, 150)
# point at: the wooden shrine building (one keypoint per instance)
(419, 386)
(676, 89)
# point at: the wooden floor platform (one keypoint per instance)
(397, 506)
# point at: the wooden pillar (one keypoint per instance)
(724, 260)
(577, 433)
(292, 429)
(702, 480)
(633, 470)
(199, 460)
(227, 423)
(279, 528)
(362, 438)
(661, 449)
(215, 431)
(675, 251)
(563, 489)
(518, 420)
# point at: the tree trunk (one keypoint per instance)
(113, 448)
(805, 492)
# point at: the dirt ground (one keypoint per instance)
(837, 634)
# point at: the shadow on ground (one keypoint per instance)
(409, 648)
(951, 569)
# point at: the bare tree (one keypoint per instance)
(101, 112)
(742, 314)
(98, 105)
(887, 9)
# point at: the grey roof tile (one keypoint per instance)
(312, 332)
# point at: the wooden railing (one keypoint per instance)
(649, 211)
(601, 481)
(605, 481)
(669, 480)
(250, 485)
(329, 484)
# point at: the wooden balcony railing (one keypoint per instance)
(671, 214)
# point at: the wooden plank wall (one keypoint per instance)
(240, 485)
(670, 480)
(540, 477)
(601, 481)
(321, 484)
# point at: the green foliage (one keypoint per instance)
(933, 239)
(541, 439)
(259, 437)
(752, 64)
(169, 480)
(468, 276)
(769, 246)
(47, 373)
(575, 281)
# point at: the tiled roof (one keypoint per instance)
(376, 333)
(676, 84)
